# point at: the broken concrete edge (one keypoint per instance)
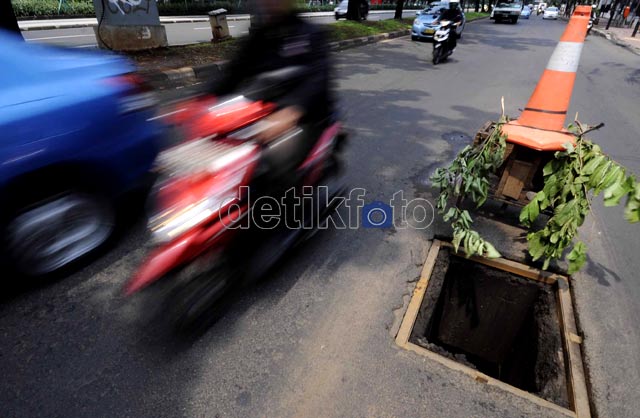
(208, 71)
(577, 387)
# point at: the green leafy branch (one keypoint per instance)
(571, 181)
(468, 176)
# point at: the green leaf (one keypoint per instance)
(632, 211)
(536, 247)
(458, 235)
(548, 168)
(614, 193)
(466, 217)
(490, 251)
(450, 214)
(613, 176)
(592, 164)
(598, 174)
(534, 210)
(577, 257)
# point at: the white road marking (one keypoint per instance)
(59, 37)
(209, 27)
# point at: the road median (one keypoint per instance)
(186, 64)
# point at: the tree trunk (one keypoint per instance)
(353, 11)
(477, 6)
(8, 19)
(399, 8)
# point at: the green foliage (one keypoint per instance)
(35, 8)
(45, 8)
(347, 29)
(471, 16)
(571, 180)
(468, 176)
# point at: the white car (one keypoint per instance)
(550, 13)
(506, 10)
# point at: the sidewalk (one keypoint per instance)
(619, 36)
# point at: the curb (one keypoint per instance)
(612, 38)
(184, 75)
(350, 43)
(91, 25)
(181, 76)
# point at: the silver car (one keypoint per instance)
(427, 21)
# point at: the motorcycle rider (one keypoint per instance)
(284, 40)
(452, 14)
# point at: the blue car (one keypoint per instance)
(427, 21)
(77, 137)
(526, 12)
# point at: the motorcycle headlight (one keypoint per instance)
(198, 185)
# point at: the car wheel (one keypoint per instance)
(45, 236)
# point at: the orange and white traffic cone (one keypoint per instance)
(541, 124)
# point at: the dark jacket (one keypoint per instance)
(292, 42)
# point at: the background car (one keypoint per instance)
(427, 22)
(526, 12)
(550, 13)
(506, 11)
(76, 139)
(341, 10)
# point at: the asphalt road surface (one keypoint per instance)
(177, 33)
(316, 337)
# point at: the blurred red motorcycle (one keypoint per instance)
(204, 243)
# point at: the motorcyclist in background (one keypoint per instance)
(283, 40)
(452, 14)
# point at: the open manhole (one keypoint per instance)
(503, 323)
